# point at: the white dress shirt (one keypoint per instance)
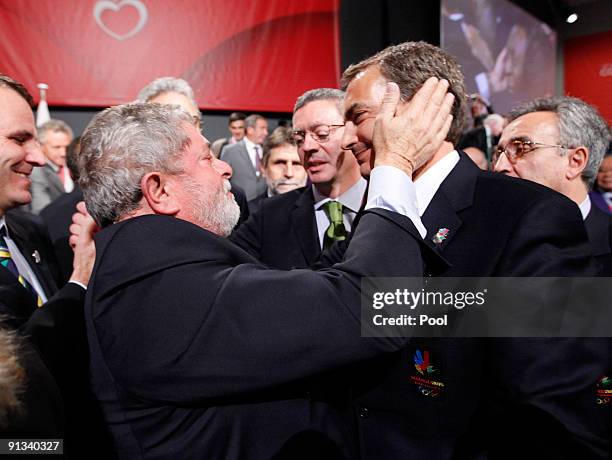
(20, 262)
(585, 207)
(392, 189)
(250, 146)
(351, 203)
(429, 182)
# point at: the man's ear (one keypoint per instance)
(159, 193)
(576, 160)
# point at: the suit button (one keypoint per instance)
(363, 412)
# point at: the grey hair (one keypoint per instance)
(53, 126)
(120, 146)
(580, 125)
(251, 120)
(494, 118)
(166, 85)
(320, 94)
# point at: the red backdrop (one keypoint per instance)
(588, 70)
(252, 55)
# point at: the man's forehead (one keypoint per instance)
(533, 123)
(319, 112)
(15, 112)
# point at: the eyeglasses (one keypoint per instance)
(320, 133)
(517, 148)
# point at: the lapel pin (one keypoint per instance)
(36, 256)
(441, 235)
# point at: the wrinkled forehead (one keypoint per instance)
(534, 126)
(366, 90)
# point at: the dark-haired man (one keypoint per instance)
(235, 126)
(497, 397)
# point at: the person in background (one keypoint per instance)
(245, 156)
(236, 129)
(291, 230)
(560, 143)
(53, 179)
(601, 195)
(282, 167)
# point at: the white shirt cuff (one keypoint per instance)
(78, 284)
(391, 189)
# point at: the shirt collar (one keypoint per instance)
(428, 184)
(249, 145)
(585, 207)
(3, 224)
(351, 199)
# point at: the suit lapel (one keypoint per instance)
(28, 244)
(52, 179)
(441, 218)
(597, 226)
(246, 158)
(304, 225)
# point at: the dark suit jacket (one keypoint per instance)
(283, 233)
(477, 137)
(198, 350)
(598, 200)
(30, 236)
(46, 187)
(237, 156)
(57, 330)
(255, 203)
(502, 398)
(58, 217)
(599, 229)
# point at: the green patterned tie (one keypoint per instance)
(7, 262)
(336, 230)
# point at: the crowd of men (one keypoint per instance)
(184, 322)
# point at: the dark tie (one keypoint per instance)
(257, 161)
(335, 231)
(7, 262)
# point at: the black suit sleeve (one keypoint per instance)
(552, 381)
(249, 235)
(262, 328)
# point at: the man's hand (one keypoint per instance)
(82, 231)
(408, 136)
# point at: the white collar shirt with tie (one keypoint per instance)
(351, 201)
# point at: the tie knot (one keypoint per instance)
(334, 211)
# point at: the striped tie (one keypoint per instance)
(7, 262)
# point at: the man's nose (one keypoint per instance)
(349, 137)
(289, 171)
(223, 168)
(502, 165)
(34, 154)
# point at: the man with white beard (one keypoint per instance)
(197, 349)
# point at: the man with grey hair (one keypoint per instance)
(53, 179)
(171, 90)
(560, 142)
(292, 230)
(245, 157)
(197, 349)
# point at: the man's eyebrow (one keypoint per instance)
(348, 113)
(22, 133)
(519, 138)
